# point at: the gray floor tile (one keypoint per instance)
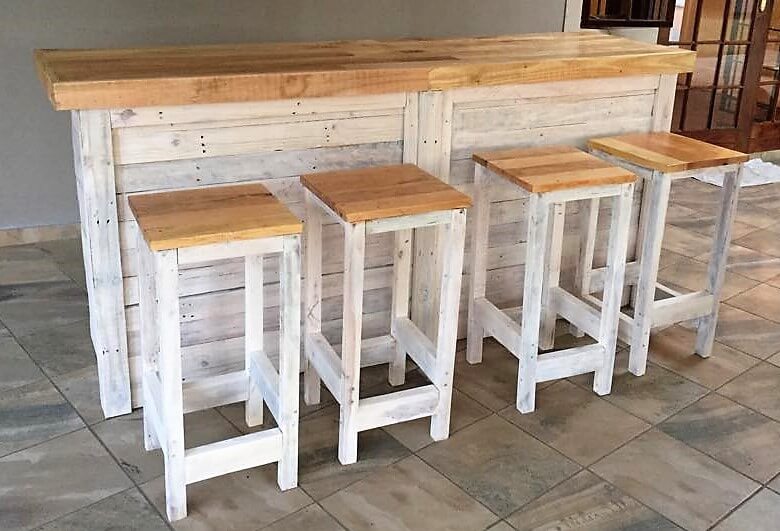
(749, 263)
(415, 434)
(26, 264)
(62, 349)
(28, 308)
(490, 471)
(763, 300)
(55, 478)
(673, 349)
(686, 486)
(32, 414)
(568, 418)
(734, 435)
(123, 436)
(747, 332)
(127, 510)
(319, 470)
(500, 526)
(764, 241)
(653, 397)
(775, 484)
(16, 367)
(756, 216)
(82, 390)
(68, 256)
(585, 502)
(245, 500)
(685, 242)
(408, 495)
(775, 360)
(758, 388)
(311, 518)
(759, 513)
(702, 222)
(689, 275)
(492, 383)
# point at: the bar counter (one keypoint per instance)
(179, 117)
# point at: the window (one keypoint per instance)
(640, 13)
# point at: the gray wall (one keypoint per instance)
(36, 168)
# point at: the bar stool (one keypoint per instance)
(192, 226)
(369, 201)
(551, 176)
(661, 158)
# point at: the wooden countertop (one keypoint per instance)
(118, 78)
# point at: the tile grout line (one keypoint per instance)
(89, 428)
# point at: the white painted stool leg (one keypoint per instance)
(253, 333)
(552, 275)
(588, 229)
(478, 261)
(538, 220)
(289, 359)
(716, 270)
(402, 277)
(313, 294)
(659, 186)
(352, 322)
(149, 338)
(451, 249)
(166, 275)
(613, 288)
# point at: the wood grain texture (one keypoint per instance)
(666, 152)
(383, 192)
(188, 218)
(116, 78)
(547, 169)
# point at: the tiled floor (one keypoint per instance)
(693, 444)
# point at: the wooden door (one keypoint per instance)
(716, 102)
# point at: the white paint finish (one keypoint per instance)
(716, 270)
(586, 318)
(613, 288)
(649, 258)
(227, 250)
(570, 362)
(166, 278)
(312, 305)
(303, 108)
(144, 144)
(150, 345)
(451, 249)
(324, 363)
(480, 213)
(496, 323)
(401, 406)
(663, 105)
(94, 164)
(213, 391)
(588, 228)
(253, 333)
(402, 286)
(232, 455)
(412, 340)
(352, 322)
(552, 275)
(538, 223)
(400, 223)
(289, 360)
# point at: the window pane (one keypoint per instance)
(732, 65)
(706, 60)
(739, 20)
(697, 110)
(764, 98)
(724, 113)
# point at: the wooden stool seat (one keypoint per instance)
(367, 201)
(553, 176)
(660, 159)
(546, 169)
(187, 218)
(666, 152)
(197, 226)
(380, 192)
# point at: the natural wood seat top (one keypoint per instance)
(546, 169)
(666, 152)
(120, 78)
(379, 192)
(188, 218)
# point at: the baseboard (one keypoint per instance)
(43, 233)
